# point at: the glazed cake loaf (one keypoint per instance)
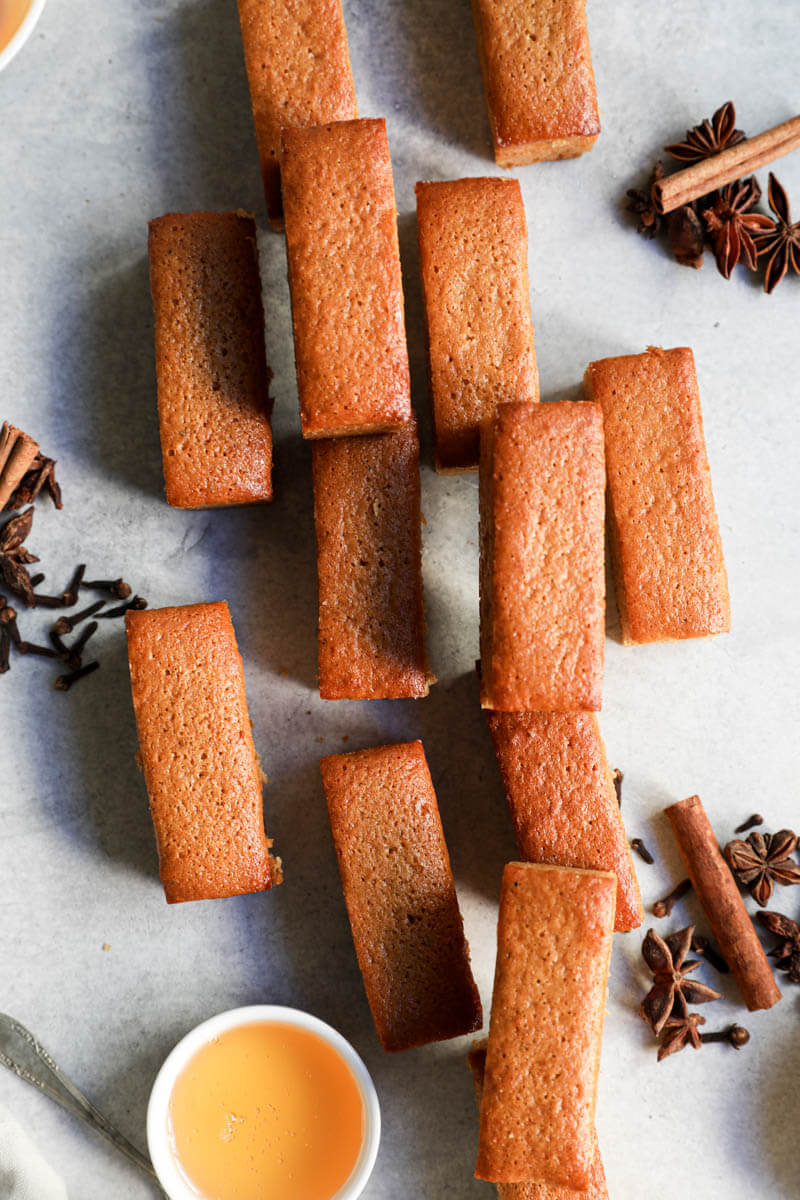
(538, 78)
(542, 576)
(473, 250)
(400, 896)
(597, 1189)
(213, 381)
(369, 572)
(344, 278)
(298, 69)
(543, 1056)
(561, 797)
(666, 549)
(196, 749)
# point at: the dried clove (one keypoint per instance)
(137, 603)
(662, 908)
(67, 624)
(65, 682)
(638, 845)
(71, 594)
(750, 823)
(736, 1035)
(118, 588)
(77, 647)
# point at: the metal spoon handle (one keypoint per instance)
(23, 1054)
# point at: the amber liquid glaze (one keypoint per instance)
(265, 1110)
(12, 14)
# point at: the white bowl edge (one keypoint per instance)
(12, 49)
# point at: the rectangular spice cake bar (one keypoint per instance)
(666, 549)
(298, 69)
(597, 1189)
(561, 797)
(344, 278)
(538, 78)
(196, 750)
(543, 1056)
(542, 584)
(213, 381)
(400, 896)
(369, 571)
(473, 250)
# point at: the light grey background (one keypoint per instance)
(120, 111)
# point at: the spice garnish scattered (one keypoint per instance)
(663, 908)
(756, 819)
(709, 137)
(67, 624)
(641, 204)
(781, 240)
(77, 647)
(672, 991)
(679, 1032)
(136, 603)
(65, 682)
(701, 945)
(731, 224)
(762, 861)
(735, 1035)
(787, 952)
(117, 588)
(638, 845)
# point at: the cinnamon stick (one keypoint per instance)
(722, 903)
(17, 452)
(734, 163)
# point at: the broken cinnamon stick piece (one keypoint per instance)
(17, 452)
(722, 903)
(734, 163)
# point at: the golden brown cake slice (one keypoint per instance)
(538, 78)
(400, 896)
(543, 1056)
(369, 572)
(597, 1189)
(666, 549)
(213, 380)
(561, 797)
(344, 277)
(473, 250)
(298, 68)
(196, 750)
(542, 578)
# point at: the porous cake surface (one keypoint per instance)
(400, 895)
(369, 575)
(344, 276)
(542, 548)
(213, 380)
(553, 947)
(298, 69)
(473, 247)
(538, 78)
(597, 1189)
(197, 753)
(666, 548)
(561, 797)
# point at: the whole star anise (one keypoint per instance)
(762, 861)
(731, 224)
(678, 1032)
(787, 952)
(13, 556)
(709, 138)
(641, 204)
(780, 240)
(671, 992)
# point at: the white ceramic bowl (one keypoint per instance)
(163, 1159)
(23, 33)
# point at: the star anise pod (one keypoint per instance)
(671, 992)
(787, 952)
(762, 861)
(678, 1032)
(641, 203)
(13, 555)
(731, 224)
(780, 240)
(709, 138)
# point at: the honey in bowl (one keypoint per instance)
(266, 1109)
(12, 14)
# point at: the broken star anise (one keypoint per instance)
(780, 239)
(731, 224)
(641, 204)
(787, 952)
(709, 138)
(671, 992)
(678, 1032)
(13, 556)
(762, 861)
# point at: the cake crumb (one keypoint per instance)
(106, 946)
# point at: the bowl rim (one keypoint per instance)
(26, 27)
(164, 1163)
